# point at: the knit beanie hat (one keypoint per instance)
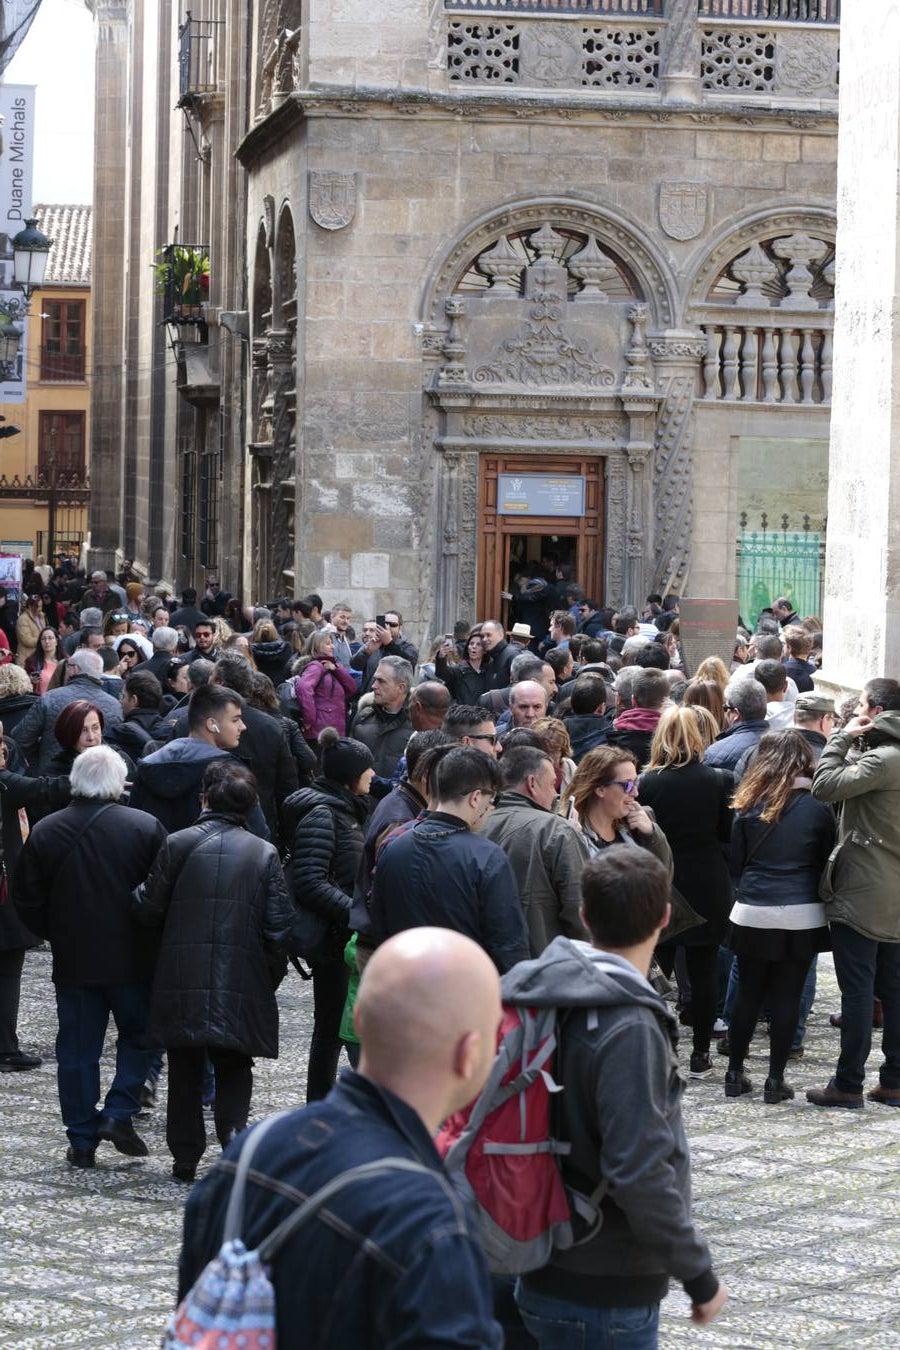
(343, 759)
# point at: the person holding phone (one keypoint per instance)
(468, 679)
(384, 639)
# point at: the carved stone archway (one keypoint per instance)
(544, 352)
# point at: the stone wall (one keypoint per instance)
(424, 177)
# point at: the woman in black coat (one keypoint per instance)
(327, 822)
(219, 893)
(468, 679)
(36, 796)
(691, 803)
(16, 697)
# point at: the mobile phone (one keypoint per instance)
(379, 619)
(448, 637)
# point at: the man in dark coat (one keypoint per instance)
(221, 895)
(411, 1269)
(380, 642)
(263, 746)
(589, 724)
(34, 734)
(634, 727)
(385, 726)
(36, 796)
(167, 782)
(142, 730)
(500, 653)
(441, 872)
(73, 886)
(745, 723)
(188, 614)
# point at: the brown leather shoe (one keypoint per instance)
(887, 1096)
(830, 1095)
(877, 1016)
(835, 1019)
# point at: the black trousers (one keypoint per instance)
(330, 979)
(776, 985)
(865, 968)
(703, 972)
(11, 964)
(185, 1130)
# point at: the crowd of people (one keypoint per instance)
(194, 794)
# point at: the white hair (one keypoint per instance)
(86, 662)
(99, 774)
(164, 639)
(91, 617)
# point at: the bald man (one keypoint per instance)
(393, 1260)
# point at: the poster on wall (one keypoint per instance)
(17, 110)
(707, 627)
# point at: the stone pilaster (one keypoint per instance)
(862, 574)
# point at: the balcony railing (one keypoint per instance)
(772, 11)
(198, 41)
(765, 11)
(182, 278)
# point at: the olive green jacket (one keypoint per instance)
(861, 881)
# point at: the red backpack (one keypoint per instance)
(501, 1152)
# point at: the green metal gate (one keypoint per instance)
(780, 562)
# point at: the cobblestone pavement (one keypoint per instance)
(800, 1206)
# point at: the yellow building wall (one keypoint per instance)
(22, 520)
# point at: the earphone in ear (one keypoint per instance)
(216, 727)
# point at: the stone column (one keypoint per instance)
(111, 24)
(862, 572)
(681, 65)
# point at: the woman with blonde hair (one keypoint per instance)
(323, 688)
(691, 803)
(271, 654)
(713, 668)
(555, 736)
(780, 844)
(707, 694)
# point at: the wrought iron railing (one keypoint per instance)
(622, 8)
(198, 41)
(772, 11)
(774, 562)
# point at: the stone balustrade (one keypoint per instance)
(783, 361)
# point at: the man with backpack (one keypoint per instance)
(620, 1110)
(392, 1258)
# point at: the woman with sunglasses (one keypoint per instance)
(116, 624)
(130, 654)
(691, 802)
(604, 793)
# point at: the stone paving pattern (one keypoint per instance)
(800, 1206)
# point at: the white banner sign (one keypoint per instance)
(17, 110)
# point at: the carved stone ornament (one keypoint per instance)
(677, 349)
(800, 250)
(682, 208)
(269, 219)
(806, 63)
(502, 264)
(753, 269)
(592, 266)
(542, 354)
(492, 427)
(550, 55)
(332, 198)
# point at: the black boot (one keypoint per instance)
(737, 1084)
(776, 1090)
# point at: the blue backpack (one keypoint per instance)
(232, 1304)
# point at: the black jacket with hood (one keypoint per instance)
(620, 1108)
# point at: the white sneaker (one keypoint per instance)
(719, 1027)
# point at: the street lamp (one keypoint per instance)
(31, 249)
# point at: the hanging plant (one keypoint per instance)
(182, 275)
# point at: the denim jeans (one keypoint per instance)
(84, 1012)
(559, 1325)
(865, 968)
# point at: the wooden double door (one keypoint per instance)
(508, 542)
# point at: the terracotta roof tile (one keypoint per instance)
(71, 229)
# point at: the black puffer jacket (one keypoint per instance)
(37, 796)
(220, 893)
(273, 659)
(327, 825)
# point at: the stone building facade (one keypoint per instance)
(526, 279)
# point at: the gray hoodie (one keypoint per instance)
(621, 1111)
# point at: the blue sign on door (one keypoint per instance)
(535, 494)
